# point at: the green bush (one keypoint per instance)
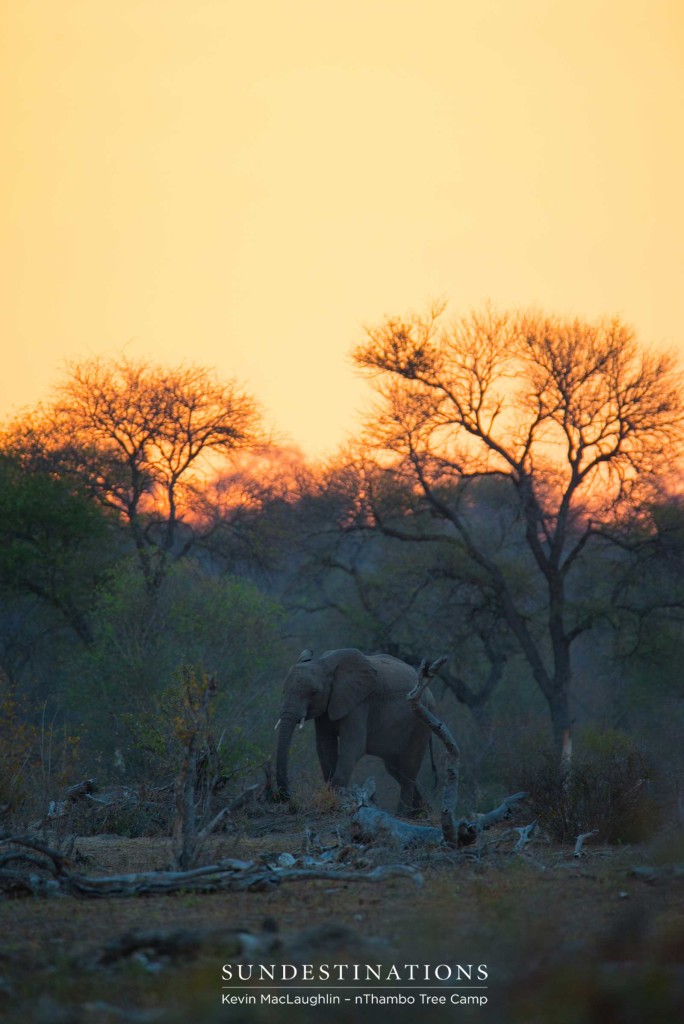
(123, 687)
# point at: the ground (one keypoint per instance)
(564, 940)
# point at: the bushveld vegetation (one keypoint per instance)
(514, 504)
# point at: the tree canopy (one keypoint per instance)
(139, 438)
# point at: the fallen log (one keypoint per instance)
(370, 824)
(228, 875)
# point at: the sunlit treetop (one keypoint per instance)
(140, 439)
(579, 405)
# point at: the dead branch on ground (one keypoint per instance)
(652, 875)
(524, 836)
(370, 824)
(43, 872)
(580, 841)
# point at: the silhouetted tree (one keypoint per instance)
(569, 420)
(138, 437)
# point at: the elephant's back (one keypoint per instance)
(396, 678)
(393, 673)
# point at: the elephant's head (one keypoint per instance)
(334, 684)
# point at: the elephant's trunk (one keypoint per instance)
(284, 739)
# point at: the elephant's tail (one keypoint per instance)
(434, 766)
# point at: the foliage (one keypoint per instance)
(161, 729)
(53, 542)
(605, 789)
(222, 625)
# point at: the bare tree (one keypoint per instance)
(566, 420)
(141, 436)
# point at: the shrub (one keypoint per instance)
(37, 761)
(605, 789)
(122, 686)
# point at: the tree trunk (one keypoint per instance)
(562, 726)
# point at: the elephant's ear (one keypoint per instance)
(353, 679)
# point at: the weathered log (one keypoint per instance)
(524, 836)
(228, 875)
(370, 824)
(80, 789)
(59, 862)
(499, 813)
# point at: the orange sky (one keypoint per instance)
(244, 184)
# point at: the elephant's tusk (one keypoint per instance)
(302, 720)
(277, 724)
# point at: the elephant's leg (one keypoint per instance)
(409, 764)
(326, 748)
(404, 772)
(396, 775)
(419, 803)
(352, 745)
(410, 800)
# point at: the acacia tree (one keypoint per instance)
(139, 436)
(571, 418)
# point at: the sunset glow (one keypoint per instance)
(246, 186)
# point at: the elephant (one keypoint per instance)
(359, 706)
